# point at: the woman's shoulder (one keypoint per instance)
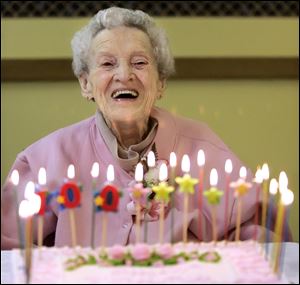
(65, 136)
(187, 127)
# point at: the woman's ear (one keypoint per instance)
(161, 88)
(86, 88)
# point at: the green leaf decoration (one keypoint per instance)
(210, 256)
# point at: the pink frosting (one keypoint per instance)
(141, 251)
(116, 252)
(165, 251)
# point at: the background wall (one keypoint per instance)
(255, 114)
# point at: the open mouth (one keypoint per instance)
(125, 95)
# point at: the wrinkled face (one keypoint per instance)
(123, 77)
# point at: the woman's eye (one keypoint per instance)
(107, 64)
(140, 64)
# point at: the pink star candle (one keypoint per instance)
(28, 207)
(258, 180)
(173, 164)
(94, 174)
(201, 163)
(228, 170)
(15, 181)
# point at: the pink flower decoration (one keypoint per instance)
(165, 251)
(138, 193)
(116, 252)
(141, 251)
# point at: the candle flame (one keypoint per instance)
(243, 172)
(273, 186)
(283, 182)
(15, 177)
(25, 210)
(201, 158)
(258, 176)
(287, 197)
(71, 171)
(173, 159)
(151, 159)
(42, 177)
(213, 178)
(228, 166)
(110, 175)
(139, 172)
(265, 171)
(163, 172)
(95, 170)
(185, 163)
(29, 190)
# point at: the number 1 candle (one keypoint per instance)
(173, 163)
(95, 174)
(265, 174)
(228, 170)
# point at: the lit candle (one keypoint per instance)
(139, 174)
(94, 174)
(69, 197)
(241, 188)
(265, 174)
(173, 163)
(186, 186)
(29, 207)
(15, 181)
(258, 180)
(162, 192)
(287, 197)
(151, 165)
(200, 162)
(42, 192)
(273, 191)
(213, 196)
(228, 170)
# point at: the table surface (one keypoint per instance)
(290, 266)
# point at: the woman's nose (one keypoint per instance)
(124, 72)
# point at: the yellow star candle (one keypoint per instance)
(173, 163)
(228, 170)
(162, 194)
(265, 174)
(186, 186)
(213, 196)
(241, 188)
(201, 163)
(94, 174)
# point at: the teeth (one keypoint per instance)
(118, 93)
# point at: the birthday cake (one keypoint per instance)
(194, 263)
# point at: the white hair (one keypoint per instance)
(115, 17)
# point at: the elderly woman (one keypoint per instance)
(122, 61)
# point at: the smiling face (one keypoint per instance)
(123, 77)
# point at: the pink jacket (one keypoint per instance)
(81, 144)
